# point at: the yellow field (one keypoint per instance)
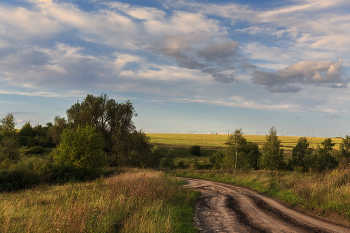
(218, 141)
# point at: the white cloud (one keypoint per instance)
(178, 50)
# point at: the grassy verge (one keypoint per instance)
(326, 194)
(133, 201)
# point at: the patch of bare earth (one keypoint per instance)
(229, 208)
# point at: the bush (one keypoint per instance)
(58, 173)
(35, 150)
(81, 148)
(216, 159)
(168, 160)
(9, 149)
(181, 164)
(18, 178)
(134, 150)
(195, 150)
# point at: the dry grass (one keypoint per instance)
(137, 201)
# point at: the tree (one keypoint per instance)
(322, 158)
(217, 159)
(9, 149)
(241, 154)
(27, 130)
(105, 115)
(55, 130)
(300, 153)
(123, 144)
(237, 140)
(272, 155)
(81, 148)
(344, 148)
(8, 124)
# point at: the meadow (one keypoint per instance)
(213, 142)
(218, 140)
(133, 201)
(325, 194)
(141, 200)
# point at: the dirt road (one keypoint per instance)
(229, 208)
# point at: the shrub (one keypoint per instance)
(181, 164)
(35, 150)
(195, 150)
(9, 149)
(81, 148)
(168, 160)
(18, 178)
(216, 159)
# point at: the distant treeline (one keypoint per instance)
(244, 155)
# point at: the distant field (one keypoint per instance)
(217, 141)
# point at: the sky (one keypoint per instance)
(187, 66)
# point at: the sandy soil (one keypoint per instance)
(229, 208)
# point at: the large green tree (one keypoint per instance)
(272, 154)
(81, 148)
(122, 142)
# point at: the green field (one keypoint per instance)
(325, 194)
(211, 143)
(217, 141)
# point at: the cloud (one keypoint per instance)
(219, 51)
(304, 72)
(331, 117)
(194, 52)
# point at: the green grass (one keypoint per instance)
(212, 142)
(326, 194)
(218, 140)
(133, 201)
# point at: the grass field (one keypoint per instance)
(326, 194)
(210, 143)
(217, 141)
(133, 201)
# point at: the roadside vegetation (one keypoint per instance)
(308, 178)
(133, 201)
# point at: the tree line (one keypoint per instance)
(97, 132)
(243, 155)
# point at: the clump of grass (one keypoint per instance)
(134, 201)
(319, 193)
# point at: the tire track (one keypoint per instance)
(229, 208)
(242, 217)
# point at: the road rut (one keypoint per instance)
(228, 208)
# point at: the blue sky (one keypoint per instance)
(187, 66)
